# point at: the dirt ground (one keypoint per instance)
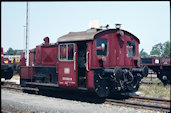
(15, 79)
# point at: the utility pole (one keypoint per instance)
(27, 38)
(24, 46)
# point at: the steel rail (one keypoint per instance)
(151, 99)
(17, 87)
(140, 104)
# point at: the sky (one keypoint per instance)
(149, 21)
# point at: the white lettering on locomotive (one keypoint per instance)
(67, 78)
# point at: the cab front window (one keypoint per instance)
(131, 49)
(101, 46)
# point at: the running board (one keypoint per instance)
(32, 84)
(50, 85)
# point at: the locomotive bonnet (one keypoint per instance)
(105, 61)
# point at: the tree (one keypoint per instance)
(166, 49)
(157, 49)
(18, 52)
(10, 51)
(143, 53)
(161, 50)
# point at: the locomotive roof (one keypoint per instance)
(88, 35)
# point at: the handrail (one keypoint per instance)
(87, 58)
(74, 61)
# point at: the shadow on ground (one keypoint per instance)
(83, 96)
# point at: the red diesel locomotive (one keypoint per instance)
(105, 61)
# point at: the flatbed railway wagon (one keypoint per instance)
(105, 61)
(160, 66)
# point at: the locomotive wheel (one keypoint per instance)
(102, 88)
(102, 91)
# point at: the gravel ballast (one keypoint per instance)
(23, 102)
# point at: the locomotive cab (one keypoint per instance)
(104, 61)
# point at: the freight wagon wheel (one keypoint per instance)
(8, 73)
(164, 77)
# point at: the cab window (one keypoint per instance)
(131, 49)
(70, 51)
(66, 51)
(62, 52)
(101, 46)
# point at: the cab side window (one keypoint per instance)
(62, 52)
(70, 51)
(66, 52)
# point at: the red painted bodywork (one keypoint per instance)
(90, 80)
(31, 59)
(2, 58)
(38, 55)
(117, 55)
(42, 55)
(90, 74)
(22, 59)
(27, 72)
(49, 55)
(70, 78)
(46, 55)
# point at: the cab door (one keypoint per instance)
(67, 66)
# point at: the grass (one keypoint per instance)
(155, 90)
(150, 79)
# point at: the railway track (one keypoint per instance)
(162, 105)
(156, 104)
(151, 82)
(17, 87)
